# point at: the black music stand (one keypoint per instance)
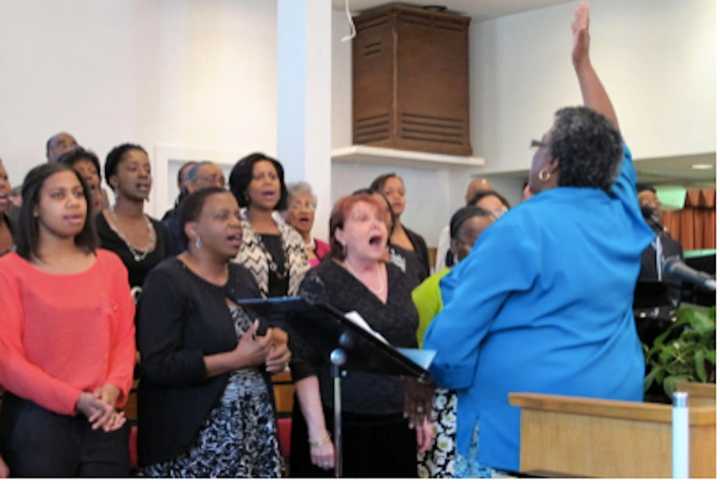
(344, 344)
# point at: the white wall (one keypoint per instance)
(181, 73)
(656, 58)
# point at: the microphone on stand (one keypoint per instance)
(677, 268)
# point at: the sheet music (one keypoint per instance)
(422, 358)
(355, 317)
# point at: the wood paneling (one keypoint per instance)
(410, 80)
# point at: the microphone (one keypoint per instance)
(675, 267)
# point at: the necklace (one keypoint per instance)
(378, 283)
(272, 265)
(138, 255)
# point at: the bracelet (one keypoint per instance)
(318, 443)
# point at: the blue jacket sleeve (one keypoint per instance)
(504, 260)
(624, 186)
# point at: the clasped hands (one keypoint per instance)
(270, 349)
(99, 408)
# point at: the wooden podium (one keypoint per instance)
(586, 437)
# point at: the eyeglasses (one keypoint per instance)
(305, 205)
(538, 144)
(212, 179)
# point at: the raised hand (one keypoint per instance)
(581, 34)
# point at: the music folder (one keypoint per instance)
(326, 328)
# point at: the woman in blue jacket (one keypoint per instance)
(544, 301)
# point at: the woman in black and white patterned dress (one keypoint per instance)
(273, 251)
(205, 409)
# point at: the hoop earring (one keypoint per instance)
(544, 175)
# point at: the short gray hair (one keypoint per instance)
(298, 188)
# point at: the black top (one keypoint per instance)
(180, 319)
(409, 264)
(396, 320)
(278, 281)
(137, 270)
(171, 219)
(421, 251)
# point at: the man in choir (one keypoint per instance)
(476, 185)
(651, 267)
(203, 174)
(59, 144)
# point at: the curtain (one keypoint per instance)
(694, 225)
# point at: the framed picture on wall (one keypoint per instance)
(166, 162)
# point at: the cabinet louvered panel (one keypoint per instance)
(410, 80)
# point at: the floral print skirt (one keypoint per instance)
(439, 460)
(239, 437)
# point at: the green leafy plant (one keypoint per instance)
(683, 352)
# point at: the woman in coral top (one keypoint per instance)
(67, 338)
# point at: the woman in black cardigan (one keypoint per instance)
(392, 187)
(204, 406)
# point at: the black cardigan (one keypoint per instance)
(180, 319)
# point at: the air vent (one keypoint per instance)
(373, 48)
(372, 128)
(433, 129)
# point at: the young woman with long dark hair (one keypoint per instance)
(67, 337)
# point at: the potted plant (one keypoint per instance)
(684, 351)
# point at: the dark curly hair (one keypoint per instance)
(588, 148)
(378, 184)
(480, 194)
(71, 157)
(242, 174)
(113, 159)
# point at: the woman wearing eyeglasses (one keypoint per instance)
(543, 303)
(301, 215)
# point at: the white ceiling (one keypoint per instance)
(478, 9)
(674, 170)
(677, 170)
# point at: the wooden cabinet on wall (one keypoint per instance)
(411, 80)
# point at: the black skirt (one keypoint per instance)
(373, 446)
